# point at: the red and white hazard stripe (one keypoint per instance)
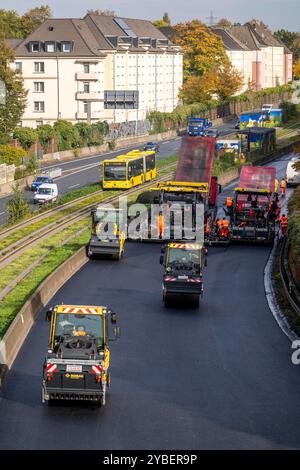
(96, 369)
(185, 245)
(168, 279)
(79, 310)
(194, 280)
(51, 368)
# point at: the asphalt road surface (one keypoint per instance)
(84, 171)
(217, 377)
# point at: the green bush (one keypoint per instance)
(26, 136)
(17, 207)
(294, 224)
(45, 134)
(111, 144)
(67, 135)
(289, 110)
(12, 155)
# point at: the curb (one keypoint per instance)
(17, 332)
(272, 301)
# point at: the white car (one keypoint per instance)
(292, 176)
(46, 193)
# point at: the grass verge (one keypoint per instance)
(14, 301)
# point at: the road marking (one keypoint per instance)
(74, 186)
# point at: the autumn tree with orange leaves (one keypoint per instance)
(207, 70)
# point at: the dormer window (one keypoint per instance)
(50, 46)
(35, 46)
(66, 47)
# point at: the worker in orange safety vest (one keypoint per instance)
(283, 187)
(225, 230)
(283, 224)
(276, 184)
(160, 225)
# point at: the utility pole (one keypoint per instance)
(211, 19)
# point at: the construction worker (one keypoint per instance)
(160, 225)
(282, 187)
(207, 228)
(225, 231)
(276, 185)
(283, 224)
(229, 205)
(219, 226)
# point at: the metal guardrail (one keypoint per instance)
(291, 290)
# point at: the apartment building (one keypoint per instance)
(97, 68)
(262, 60)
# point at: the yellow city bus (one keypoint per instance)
(126, 171)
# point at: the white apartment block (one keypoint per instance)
(262, 60)
(97, 68)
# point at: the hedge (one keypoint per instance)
(294, 224)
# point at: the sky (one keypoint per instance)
(275, 13)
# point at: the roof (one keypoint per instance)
(244, 35)
(230, 42)
(92, 35)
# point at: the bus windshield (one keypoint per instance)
(78, 325)
(114, 171)
(187, 198)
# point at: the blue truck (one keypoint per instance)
(198, 126)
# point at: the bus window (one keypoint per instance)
(150, 162)
(114, 172)
(135, 168)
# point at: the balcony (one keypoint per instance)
(91, 76)
(91, 96)
(94, 115)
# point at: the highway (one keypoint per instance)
(84, 171)
(219, 377)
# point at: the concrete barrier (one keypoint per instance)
(7, 188)
(13, 339)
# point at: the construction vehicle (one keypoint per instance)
(198, 126)
(192, 195)
(108, 235)
(254, 206)
(77, 363)
(182, 271)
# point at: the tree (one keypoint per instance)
(17, 207)
(34, 18)
(15, 102)
(45, 134)
(165, 21)
(291, 40)
(296, 69)
(13, 25)
(202, 48)
(223, 22)
(218, 82)
(26, 136)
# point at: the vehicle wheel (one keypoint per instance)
(196, 301)
(108, 380)
(167, 301)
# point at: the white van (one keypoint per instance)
(46, 192)
(267, 107)
(292, 176)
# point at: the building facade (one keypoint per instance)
(262, 60)
(97, 68)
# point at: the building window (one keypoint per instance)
(35, 47)
(39, 67)
(50, 47)
(18, 66)
(39, 123)
(86, 68)
(85, 107)
(39, 106)
(86, 87)
(66, 47)
(39, 87)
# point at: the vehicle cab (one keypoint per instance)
(77, 363)
(46, 192)
(39, 181)
(108, 236)
(182, 275)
